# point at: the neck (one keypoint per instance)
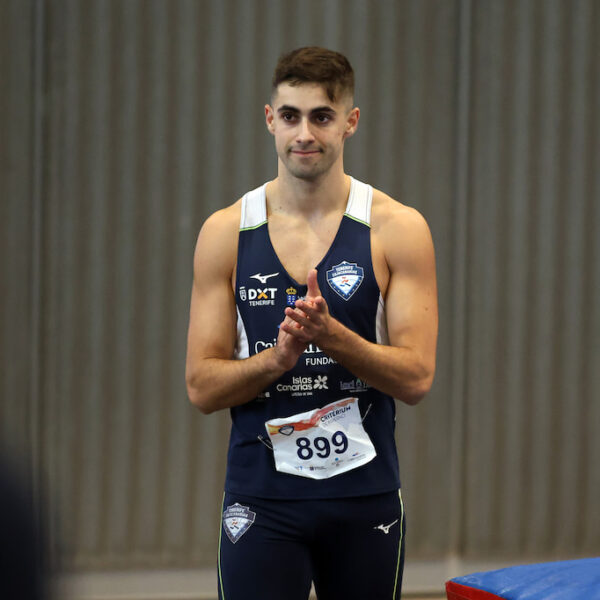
(320, 196)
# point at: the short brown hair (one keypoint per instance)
(312, 64)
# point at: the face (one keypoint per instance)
(309, 128)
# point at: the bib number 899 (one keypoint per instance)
(322, 446)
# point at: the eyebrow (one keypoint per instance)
(318, 109)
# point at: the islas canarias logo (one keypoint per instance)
(300, 385)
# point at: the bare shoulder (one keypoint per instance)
(389, 214)
(224, 222)
(399, 231)
(216, 247)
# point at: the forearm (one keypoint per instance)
(215, 383)
(398, 371)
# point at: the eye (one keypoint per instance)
(322, 118)
(288, 117)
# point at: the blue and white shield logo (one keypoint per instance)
(345, 278)
(237, 519)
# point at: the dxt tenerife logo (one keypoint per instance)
(344, 279)
(304, 386)
(259, 296)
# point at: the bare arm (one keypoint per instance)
(215, 380)
(404, 368)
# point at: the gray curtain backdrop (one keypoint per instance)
(124, 124)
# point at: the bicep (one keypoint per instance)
(212, 324)
(411, 297)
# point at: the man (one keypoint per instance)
(313, 306)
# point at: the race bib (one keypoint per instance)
(321, 443)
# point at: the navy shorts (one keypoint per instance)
(351, 548)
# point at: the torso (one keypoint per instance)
(275, 252)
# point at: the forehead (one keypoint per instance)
(304, 96)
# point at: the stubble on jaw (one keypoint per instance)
(309, 172)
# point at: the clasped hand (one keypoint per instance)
(308, 322)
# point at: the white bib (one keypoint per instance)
(321, 443)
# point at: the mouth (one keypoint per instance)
(305, 152)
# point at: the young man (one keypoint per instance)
(314, 305)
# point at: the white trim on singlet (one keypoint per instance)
(254, 209)
(360, 199)
(242, 349)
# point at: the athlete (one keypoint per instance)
(314, 306)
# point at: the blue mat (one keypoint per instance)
(566, 580)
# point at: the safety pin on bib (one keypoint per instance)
(269, 445)
(366, 413)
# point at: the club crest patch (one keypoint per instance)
(344, 279)
(237, 519)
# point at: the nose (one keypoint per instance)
(304, 135)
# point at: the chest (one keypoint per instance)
(272, 272)
(301, 245)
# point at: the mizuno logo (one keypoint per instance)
(385, 528)
(263, 278)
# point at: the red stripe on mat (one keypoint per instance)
(456, 591)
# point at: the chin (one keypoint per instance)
(306, 175)
(309, 173)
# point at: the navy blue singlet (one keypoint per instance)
(263, 290)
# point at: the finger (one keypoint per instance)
(305, 302)
(298, 316)
(313, 309)
(295, 330)
(294, 313)
(313, 284)
(290, 322)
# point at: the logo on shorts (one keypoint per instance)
(386, 528)
(237, 519)
(345, 278)
(286, 429)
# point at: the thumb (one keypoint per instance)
(312, 284)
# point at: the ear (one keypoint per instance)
(269, 118)
(352, 122)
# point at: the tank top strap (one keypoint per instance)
(359, 202)
(254, 209)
